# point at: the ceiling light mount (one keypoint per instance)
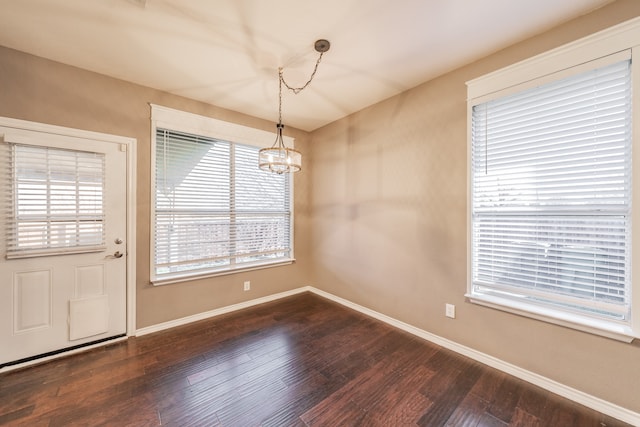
(278, 158)
(322, 45)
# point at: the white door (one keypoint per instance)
(63, 251)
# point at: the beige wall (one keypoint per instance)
(39, 90)
(389, 225)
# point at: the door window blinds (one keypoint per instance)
(56, 201)
(551, 194)
(214, 209)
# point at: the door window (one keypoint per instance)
(57, 201)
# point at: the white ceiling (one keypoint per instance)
(227, 52)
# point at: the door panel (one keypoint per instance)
(31, 300)
(88, 317)
(70, 297)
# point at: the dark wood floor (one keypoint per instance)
(300, 361)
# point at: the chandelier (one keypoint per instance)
(278, 158)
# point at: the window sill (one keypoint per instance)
(608, 329)
(186, 277)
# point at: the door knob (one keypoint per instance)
(118, 254)
(118, 241)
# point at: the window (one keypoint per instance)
(215, 211)
(56, 201)
(551, 195)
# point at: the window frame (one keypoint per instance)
(555, 64)
(181, 121)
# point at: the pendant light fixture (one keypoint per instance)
(278, 158)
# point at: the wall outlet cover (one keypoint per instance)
(450, 311)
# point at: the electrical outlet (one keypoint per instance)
(450, 311)
(247, 285)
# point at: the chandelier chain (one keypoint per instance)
(280, 96)
(297, 90)
(278, 158)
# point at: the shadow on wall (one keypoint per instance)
(389, 193)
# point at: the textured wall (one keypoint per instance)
(39, 90)
(389, 220)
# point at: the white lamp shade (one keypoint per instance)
(280, 160)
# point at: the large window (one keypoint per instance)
(215, 211)
(551, 197)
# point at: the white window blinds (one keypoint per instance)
(214, 209)
(56, 201)
(551, 194)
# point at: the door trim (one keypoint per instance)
(129, 145)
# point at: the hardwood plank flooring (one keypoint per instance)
(301, 361)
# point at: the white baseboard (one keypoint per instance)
(577, 396)
(218, 311)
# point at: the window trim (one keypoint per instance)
(549, 66)
(182, 121)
